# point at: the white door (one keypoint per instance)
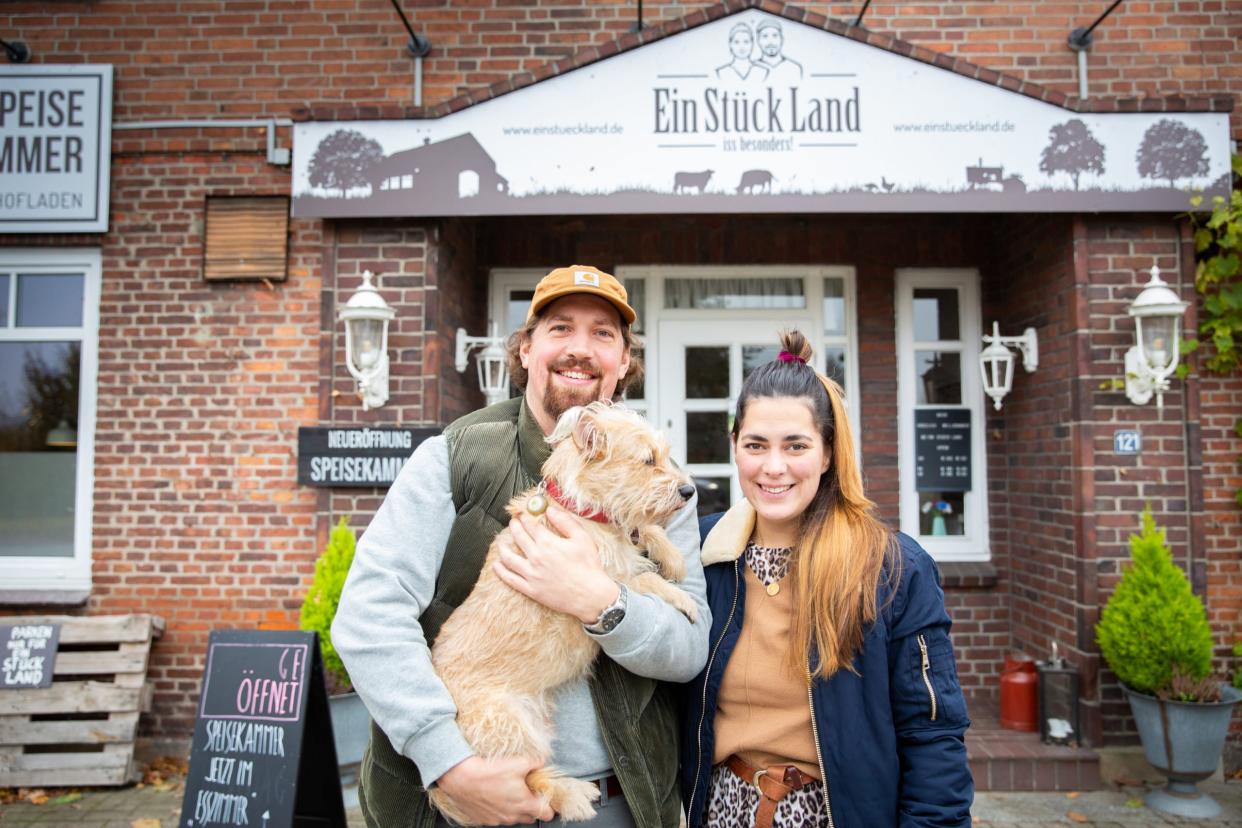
(701, 367)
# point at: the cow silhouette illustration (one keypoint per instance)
(691, 180)
(755, 181)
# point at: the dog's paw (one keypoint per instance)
(684, 604)
(573, 799)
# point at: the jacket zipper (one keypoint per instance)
(931, 693)
(819, 756)
(707, 674)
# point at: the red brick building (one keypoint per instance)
(185, 499)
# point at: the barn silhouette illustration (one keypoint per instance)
(455, 168)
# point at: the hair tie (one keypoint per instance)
(785, 356)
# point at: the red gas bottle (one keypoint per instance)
(1019, 693)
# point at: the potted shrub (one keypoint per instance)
(1154, 634)
(350, 721)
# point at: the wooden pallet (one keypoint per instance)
(81, 730)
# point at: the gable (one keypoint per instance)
(754, 112)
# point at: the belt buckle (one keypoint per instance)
(755, 780)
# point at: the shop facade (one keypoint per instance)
(904, 192)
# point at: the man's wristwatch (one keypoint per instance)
(612, 614)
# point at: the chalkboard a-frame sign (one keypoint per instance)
(263, 754)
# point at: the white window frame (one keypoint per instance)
(974, 545)
(28, 579)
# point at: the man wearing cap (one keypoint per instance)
(782, 71)
(422, 553)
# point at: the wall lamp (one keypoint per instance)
(996, 361)
(366, 316)
(1157, 313)
(491, 360)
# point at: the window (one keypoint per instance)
(943, 468)
(49, 323)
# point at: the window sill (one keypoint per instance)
(43, 597)
(968, 575)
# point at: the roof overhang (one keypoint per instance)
(753, 111)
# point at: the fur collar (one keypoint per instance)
(727, 540)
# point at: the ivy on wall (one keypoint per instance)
(1218, 279)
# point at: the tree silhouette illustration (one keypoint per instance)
(1172, 150)
(343, 159)
(1073, 150)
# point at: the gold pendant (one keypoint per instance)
(773, 588)
(537, 505)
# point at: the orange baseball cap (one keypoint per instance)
(581, 279)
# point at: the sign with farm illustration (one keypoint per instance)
(757, 113)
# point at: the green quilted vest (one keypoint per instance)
(494, 454)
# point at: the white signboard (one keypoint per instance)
(55, 148)
(756, 113)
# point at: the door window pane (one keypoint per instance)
(713, 494)
(834, 306)
(942, 513)
(707, 437)
(515, 310)
(734, 294)
(46, 300)
(38, 447)
(4, 300)
(755, 355)
(938, 377)
(707, 373)
(935, 315)
(834, 365)
(636, 289)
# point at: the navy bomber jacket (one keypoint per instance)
(890, 735)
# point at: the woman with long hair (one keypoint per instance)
(830, 695)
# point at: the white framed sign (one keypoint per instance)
(55, 148)
(757, 113)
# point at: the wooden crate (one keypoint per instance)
(81, 730)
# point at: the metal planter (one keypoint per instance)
(1183, 740)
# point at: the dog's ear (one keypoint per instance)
(565, 425)
(590, 435)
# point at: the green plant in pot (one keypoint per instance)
(350, 721)
(1154, 634)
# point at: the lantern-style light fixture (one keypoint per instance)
(996, 361)
(491, 360)
(1157, 313)
(366, 316)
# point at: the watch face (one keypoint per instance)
(611, 619)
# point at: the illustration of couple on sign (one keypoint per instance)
(771, 67)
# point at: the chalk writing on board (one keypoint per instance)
(262, 751)
(27, 655)
(248, 693)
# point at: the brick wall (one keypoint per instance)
(269, 57)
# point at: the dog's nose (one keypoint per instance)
(686, 491)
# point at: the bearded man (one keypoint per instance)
(423, 551)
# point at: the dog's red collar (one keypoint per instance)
(554, 492)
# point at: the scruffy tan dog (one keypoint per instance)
(502, 655)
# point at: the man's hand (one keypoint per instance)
(494, 791)
(560, 569)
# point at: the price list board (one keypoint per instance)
(942, 442)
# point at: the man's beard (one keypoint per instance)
(558, 399)
(770, 51)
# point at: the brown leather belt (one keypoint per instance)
(773, 784)
(609, 786)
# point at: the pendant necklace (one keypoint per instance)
(773, 589)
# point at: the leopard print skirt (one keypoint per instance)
(732, 803)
